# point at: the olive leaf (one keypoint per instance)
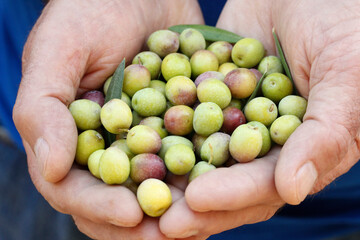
(210, 33)
(283, 60)
(116, 84)
(114, 91)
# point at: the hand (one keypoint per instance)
(75, 46)
(322, 51)
(323, 54)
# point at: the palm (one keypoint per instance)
(75, 46)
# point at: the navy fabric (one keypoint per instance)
(16, 20)
(24, 214)
(211, 10)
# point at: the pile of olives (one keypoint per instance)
(187, 107)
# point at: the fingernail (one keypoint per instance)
(186, 234)
(189, 233)
(305, 179)
(41, 151)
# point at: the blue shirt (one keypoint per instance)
(16, 20)
(334, 211)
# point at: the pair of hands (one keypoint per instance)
(76, 45)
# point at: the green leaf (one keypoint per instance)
(256, 90)
(114, 91)
(116, 84)
(283, 60)
(210, 33)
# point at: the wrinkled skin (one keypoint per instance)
(322, 52)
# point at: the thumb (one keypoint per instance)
(326, 145)
(49, 83)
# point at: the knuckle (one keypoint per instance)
(21, 115)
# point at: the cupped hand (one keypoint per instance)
(75, 46)
(321, 47)
(322, 50)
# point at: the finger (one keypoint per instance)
(329, 136)
(236, 187)
(147, 229)
(192, 223)
(49, 83)
(249, 19)
(85, 196)
(329, 140)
